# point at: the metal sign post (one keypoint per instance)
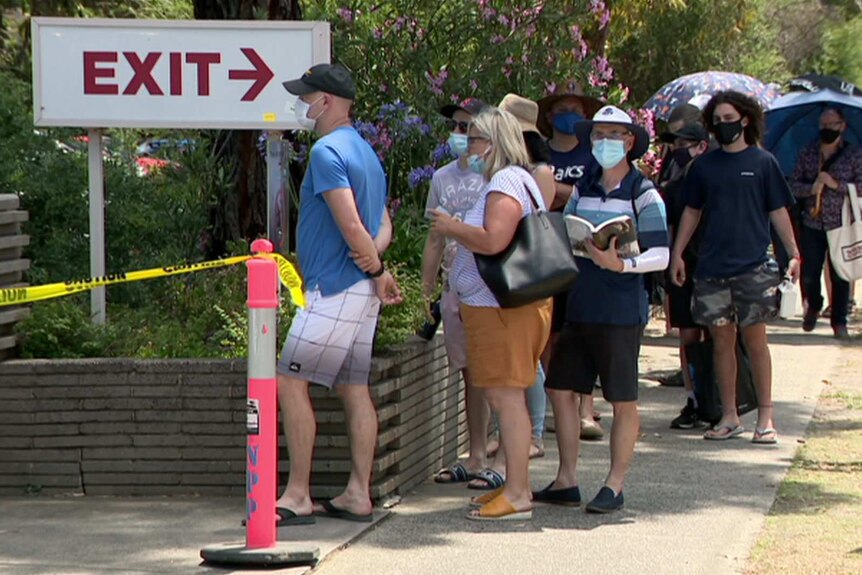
(97, 224)
(276, 204)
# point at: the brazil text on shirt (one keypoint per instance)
(341, 159)
(603, 296)
(736, 191)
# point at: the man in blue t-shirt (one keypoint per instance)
(342, 211)
(607, 307)
(740, 191)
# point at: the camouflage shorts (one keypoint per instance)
(746, 299)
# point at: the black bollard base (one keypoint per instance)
(279, 554)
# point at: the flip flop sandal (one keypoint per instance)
(330, 510)
(492, 480)
(765, 436)
(540, 451)
(285, 517)
(455, 473)
(480, 500)
(500, 509)
(731, 432)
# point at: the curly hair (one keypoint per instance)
(747, 107)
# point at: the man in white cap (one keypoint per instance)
(607, 308)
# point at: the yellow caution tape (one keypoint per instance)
(13, 296)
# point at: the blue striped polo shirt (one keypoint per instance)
(606, 297)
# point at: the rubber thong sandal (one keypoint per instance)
(455, 473)
(723, 432)
(485, 498)
(500, 509)
(765, 436)
(491, 477)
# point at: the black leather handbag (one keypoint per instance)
(537, 264)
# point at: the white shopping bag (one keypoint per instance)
(789, 299)
(845, 243)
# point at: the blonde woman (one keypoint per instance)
(503, 344)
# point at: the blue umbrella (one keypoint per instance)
(683, 89)
(793, 122)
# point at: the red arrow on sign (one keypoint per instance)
(261, 74)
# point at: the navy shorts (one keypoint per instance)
(588, 350)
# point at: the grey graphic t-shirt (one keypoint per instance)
(455, 191)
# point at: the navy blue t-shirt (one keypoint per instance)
(570, 167)
(736, 192)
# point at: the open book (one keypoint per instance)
(622, 227)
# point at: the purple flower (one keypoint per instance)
(419, 175)
(346, 14)
(550, 87)
(497, 39)
(302, 154)
(378, 33)
(474, 85)
(436, 81)
(441, 153)
(597, 6)
(605, 20)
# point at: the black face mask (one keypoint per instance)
(728, 132)
(828, 136)
(681, 156)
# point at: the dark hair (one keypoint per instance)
(838, 112)
(747, 108)
(687, 113)
(537, 148)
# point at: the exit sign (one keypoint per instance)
(97, 73)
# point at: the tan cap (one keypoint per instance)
(524, 109)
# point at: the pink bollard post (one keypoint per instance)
(261, 547)
(261, 422)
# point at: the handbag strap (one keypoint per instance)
(532, 197)
(854, 203)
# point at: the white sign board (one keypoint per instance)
(96, 73)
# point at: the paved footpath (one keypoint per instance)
(692, 506)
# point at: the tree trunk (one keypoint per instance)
(240, 212)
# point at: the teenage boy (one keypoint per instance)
(684, 145)
(740, 192)
(607, 309)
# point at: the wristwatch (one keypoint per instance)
(378, 273)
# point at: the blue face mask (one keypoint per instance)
(458, 144)
(476, 163)
(566, 121)
(609, 153)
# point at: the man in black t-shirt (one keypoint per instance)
(741, 191)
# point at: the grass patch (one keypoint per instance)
(815, 525)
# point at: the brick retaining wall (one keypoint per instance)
(166, 427)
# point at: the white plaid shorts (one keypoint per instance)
(330, 341)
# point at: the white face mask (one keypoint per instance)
(301, 108)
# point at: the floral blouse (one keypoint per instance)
(846, 169)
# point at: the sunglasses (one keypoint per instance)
(453, 125)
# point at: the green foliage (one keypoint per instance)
(62, 329)
(842, 50)
(651, 43)
(428, 53)
(397, 323)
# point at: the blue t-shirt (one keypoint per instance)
(736, 192)
(340, 159)
(573, 166)
(603, 296)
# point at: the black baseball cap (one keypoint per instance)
(693, 132)
(470, 105)
(333, 79)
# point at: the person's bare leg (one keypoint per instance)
(724, 363)
(624, 435)
(565, 406)
(300, 428)
(757, 346)
(478, 415)
(362, 431)
(511, 408)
